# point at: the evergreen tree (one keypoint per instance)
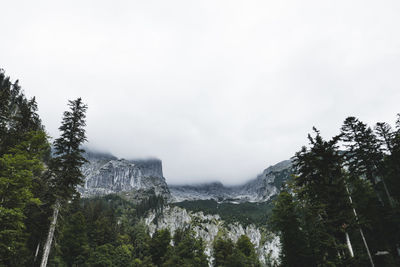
(68, 152)
(159, 246)
(74, 242)
(363, 156)
(187, 250)
(245, 248)
(241, 254)
(16, 175)
(222, 250)
(24, 149)
(141, 242)
(285, 220)
(65, 167)
(321, 185)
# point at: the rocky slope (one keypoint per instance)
(106, 174)
(208, 227)
(137, 179)
(262, 188)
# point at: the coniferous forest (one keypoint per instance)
(341, 207)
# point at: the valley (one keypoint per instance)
(210, 210)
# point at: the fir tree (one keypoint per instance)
(65, 167)
(321, 184)
(285, 220)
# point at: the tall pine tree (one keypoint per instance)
(65, 167)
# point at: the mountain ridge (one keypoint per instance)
(105, 174)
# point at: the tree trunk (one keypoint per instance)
(361, 231)
(50, 235)
(366, 247)
(37, 252)
(349, 246)
(388, 194)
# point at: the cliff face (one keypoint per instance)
(262, 188)
(208, 227)
(268, 183)
(105, 174)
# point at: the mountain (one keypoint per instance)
(208, 227)
(260, 189)
(106, 174)
(210, 210)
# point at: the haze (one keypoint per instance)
(218, 90)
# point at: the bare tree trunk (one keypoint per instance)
(50, 235)
(387, 193)
(37, 252)
(366, 247)
(361, 231)
(349, 246)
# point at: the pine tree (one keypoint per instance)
(285, 220)
(16, 175)
(68, 152)
(363, 156)
(65, 167)
(74, 243)
(222, 249)
(159, 246)
(24, 149)
(321, 185)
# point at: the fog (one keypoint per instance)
(218, 90)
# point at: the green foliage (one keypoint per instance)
(68, 152)
(285, 219)
(17, 114)
(223, 249)
(187, 250)
(245, 213)
(241, 254)
(96, 232)
(74, 239)
(159, 245)
(23, 150)
(16, 174)
(335, 193)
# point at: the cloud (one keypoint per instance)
(217, 90)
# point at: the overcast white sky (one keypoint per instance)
(219, 90)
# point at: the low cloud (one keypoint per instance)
(217, 90)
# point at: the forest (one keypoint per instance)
(341, 207)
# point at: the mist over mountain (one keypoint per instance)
(104, 174)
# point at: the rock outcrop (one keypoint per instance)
(262, 188)
(105, 174)
(208, 227)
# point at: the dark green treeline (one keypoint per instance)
(342, 206)
(109, 231)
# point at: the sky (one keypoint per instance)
(218, 90)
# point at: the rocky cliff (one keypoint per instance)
(208, 227)
(106, 174)
(262, 188)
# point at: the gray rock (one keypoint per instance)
(262, 188)
(208, 227)
(105, 174)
